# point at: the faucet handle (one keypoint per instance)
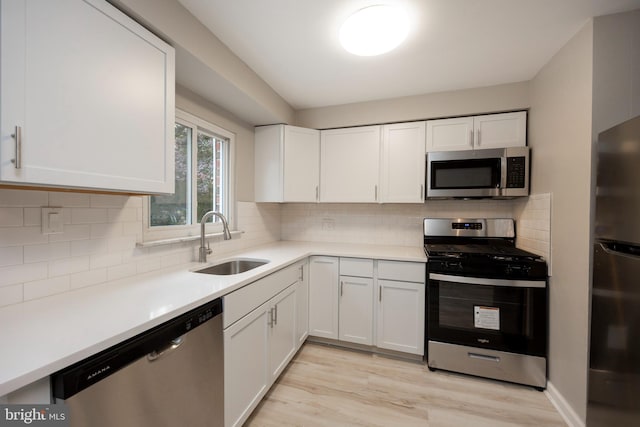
(209, 248)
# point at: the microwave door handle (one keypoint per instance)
(465, 280)
(503, 174)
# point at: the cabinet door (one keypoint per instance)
(501, 130)
(356, 310)
(349, 161)
(246, 369)
(450, 134)
(302, 306)
(401, 307)
(268, 166)
(323, 297)
(402, 163)
(93, 94)
(301, 164)
(282, 331)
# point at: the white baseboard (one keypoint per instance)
(566, 411)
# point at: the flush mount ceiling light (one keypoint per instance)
(374, 30)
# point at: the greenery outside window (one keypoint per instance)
(203, 171)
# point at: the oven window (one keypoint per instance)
(512, 319)
(473, 173)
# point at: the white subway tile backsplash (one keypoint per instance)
(71, 233)
(70, 200)
(106, 260)
(121, 271)
(123, 215)
(88, 216)
(21, 198)
(11, 294)
(89, 247)
(22, 273)
(33, 216)
(11, 256)
(46, 252)
(11, 217)
(106, 230)
(108, 201)
(19, 236)
(68, 266)
(88, 278)
(46, 287)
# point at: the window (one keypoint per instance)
(203, 154)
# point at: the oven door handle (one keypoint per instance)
(489, 282)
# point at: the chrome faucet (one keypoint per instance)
(204, 251)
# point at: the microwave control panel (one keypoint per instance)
(516, 172)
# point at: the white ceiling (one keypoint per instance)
(452, 44)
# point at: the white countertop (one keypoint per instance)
(42, 336)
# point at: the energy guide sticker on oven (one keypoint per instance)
(486, 317)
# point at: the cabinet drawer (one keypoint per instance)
(358, 267)
(239, 303)
(402, 271)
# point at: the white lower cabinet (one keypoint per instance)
(401, 306)
(246, 369)
(350, 300)
(323, 294)
(356, 310)
(258, 342)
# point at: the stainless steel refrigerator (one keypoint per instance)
(614, 354)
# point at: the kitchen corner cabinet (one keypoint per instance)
(259, 340)
(88, 95)
(477, 132)
(402, 163)
(349, 164)
(287, 164)
(401, 306)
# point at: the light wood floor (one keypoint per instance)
(326, 386)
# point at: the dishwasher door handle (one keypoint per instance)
(173, 344)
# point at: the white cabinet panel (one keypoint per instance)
(93, 93)
(358, 267)
(401, 310)
(302, 306)
(282, 330)
(356, 310)
(487, 131)
(287, 164)
(402, 271)
(246, 368)
(501, 130)
(323, 297)
(349, 160)
(450, 134)
(402, 163)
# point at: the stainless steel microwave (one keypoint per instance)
(498, 172)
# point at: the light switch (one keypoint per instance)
(52, 221)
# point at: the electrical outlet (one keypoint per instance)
(52, 220)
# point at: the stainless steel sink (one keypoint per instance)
(234, 266)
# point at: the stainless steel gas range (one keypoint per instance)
(487, 301)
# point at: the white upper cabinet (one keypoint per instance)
(501, 130)
(402, 163)
(450, 134)
(349, 164)
(91, 94)
(287, 164)
(486, 131)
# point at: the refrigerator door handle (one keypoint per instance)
(620, 249)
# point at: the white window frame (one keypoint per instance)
(172, 232)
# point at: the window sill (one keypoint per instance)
(212, 236)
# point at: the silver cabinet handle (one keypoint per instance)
(275, 316)
(471, 132)
(380, 294)
(421, 191)
(270, 320)
(17, 136)
(317, 193)
(156, 354)
(341, 288)
(376, 193)
(478, 137)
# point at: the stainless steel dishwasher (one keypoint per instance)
(171, 375)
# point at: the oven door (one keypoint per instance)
(505, 315)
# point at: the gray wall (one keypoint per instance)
(514, 96)
(560, 136)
